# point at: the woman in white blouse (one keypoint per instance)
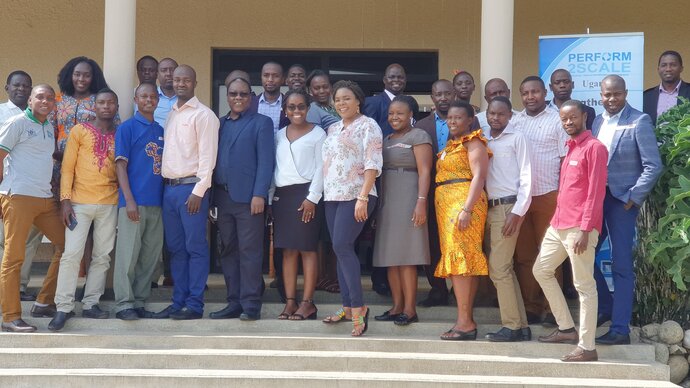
(298, 185)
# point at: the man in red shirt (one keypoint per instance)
(574, 232)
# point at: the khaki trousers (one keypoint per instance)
(32, 244)
(501, 271)
(556, 247)
(19, 213)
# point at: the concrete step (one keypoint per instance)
(186, 378)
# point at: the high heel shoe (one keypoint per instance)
(299, 317)
(285, 314)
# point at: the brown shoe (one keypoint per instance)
(580, 355)
(43, 311)
(559, 337)
(18, 326)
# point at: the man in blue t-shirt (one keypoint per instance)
(138, 155)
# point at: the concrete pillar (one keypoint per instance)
(497, 43)
(118, 51)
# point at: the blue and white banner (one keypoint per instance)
(591, 57)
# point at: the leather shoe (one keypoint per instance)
(26, 297)
(581, 355)
(387, 316)
(18, 326)
(43, 311)
(226, 313)
(533, 319)
(58, 322)
(526, 333)
(505, 335)
(127, 315)
(250, 317)
(185, 314)
(602, 318)
(164, 314)
(613, 338)
(559, 337)
(143, 313)
(404, 320)
(95, 312)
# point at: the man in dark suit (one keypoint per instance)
(376, 107)
(634, 166)
(562, 86)
(661, 98)
(442, 94)
(241, 180)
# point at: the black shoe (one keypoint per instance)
(533, 319)
(26, 297)
(250, 317)
(127, 315)
(185, 314)
(505, 335)
(387, 316)
(404, 320)
(43, 311)
(58, 322)
(164, 314)
(613, 338)
(435, 298)
(143, 313)
(549, 321)
(18, 326)
(226, 313)
(95, 312)
(382, 289)
(602, 318)
(526, 333)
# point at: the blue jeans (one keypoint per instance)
(185, 237)
(619, 226)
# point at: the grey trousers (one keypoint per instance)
(137, 251)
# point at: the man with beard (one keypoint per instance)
(562, 86)
(659, 99)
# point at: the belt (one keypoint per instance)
(502, 201)
(450, 181)
(400, 169)
(188, 180)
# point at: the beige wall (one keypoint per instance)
(52, 31)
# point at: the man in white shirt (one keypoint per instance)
(18, 89)
(494, 87)
(542, 130)
(509, 186)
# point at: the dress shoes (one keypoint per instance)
(26, 297)
(250, 317)
(435, 298)
(533, 319)
(505, 335)
(165, 313)
(95, 312)
(549, 321)
(185, 314)
(561, 337)
(43, 311)
(58, 322)
(18, 326)
(526, 333)
(581, 355)
(404, 320)
(602, 318)
(613, 338)
(226, 313)
(127, 315)
(143, 313)
(387, 316)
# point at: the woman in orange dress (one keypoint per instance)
(461, 208)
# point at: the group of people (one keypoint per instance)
(543, 184)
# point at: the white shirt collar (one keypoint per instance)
(617, 116)
(390, 95)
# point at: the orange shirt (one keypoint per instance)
(88, 167)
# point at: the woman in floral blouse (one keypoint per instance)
(352, 161)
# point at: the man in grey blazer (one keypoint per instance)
(634, 166)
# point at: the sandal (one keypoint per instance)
(337, 317)
(333, 287)
(458, 335)
(285, 315)
(300, 317)
(359, 321)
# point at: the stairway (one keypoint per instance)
(221, 353)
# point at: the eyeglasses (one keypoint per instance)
(293, 108)
(236, 94)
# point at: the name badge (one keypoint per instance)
(443, 155)
(573, 162)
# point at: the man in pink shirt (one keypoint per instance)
(574, 232)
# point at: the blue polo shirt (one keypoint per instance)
(140, 143)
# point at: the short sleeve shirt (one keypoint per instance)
(399, 152)
(140, 143)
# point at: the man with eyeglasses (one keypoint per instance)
(246, 156)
